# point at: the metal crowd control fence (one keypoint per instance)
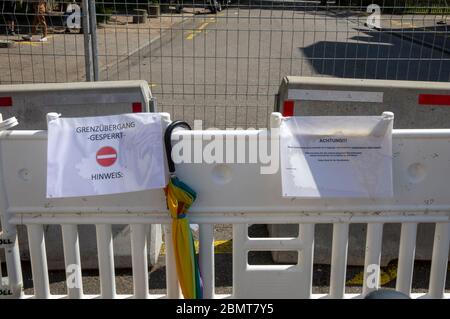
(224, 67)
(421, 196)
(30, 102)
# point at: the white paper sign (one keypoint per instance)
(337, 156)
(105, 155)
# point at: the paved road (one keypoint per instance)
(226, 68)
(62, 57)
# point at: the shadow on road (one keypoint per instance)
(436, 37)
(378, 55)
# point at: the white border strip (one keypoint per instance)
(333, 95)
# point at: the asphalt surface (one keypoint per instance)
(62, 57)
(225, 68)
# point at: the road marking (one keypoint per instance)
(152, 85)
(220, 247)
(386, 276)
(406, 24)
(33, 43)
(200, 29)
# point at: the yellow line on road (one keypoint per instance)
(34, 43)
(386, 276)
(220, 247)
(403, 24)
(200, 29)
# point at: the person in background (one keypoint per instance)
(8, 10)
(39, 19)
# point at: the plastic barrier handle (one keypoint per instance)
(168, 141)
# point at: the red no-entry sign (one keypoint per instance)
(106, 156)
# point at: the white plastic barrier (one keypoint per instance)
(241, 195)
(30, 102)
(416, 105)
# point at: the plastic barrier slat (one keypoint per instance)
(305, 256)
(406, 257)
(106, 261)
(139, 260)
(173, 288)
(373, 257)
(36, 241)
(206, 255)
(440, 260)
(1, 275)
(72, 260)
(339, 260)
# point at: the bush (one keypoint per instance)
(103, 13)
(365, 3)
(125, 6)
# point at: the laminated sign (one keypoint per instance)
(337, 156)
(105, 155)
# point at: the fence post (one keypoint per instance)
(93, 31)
(87, 41)
(12, 254)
